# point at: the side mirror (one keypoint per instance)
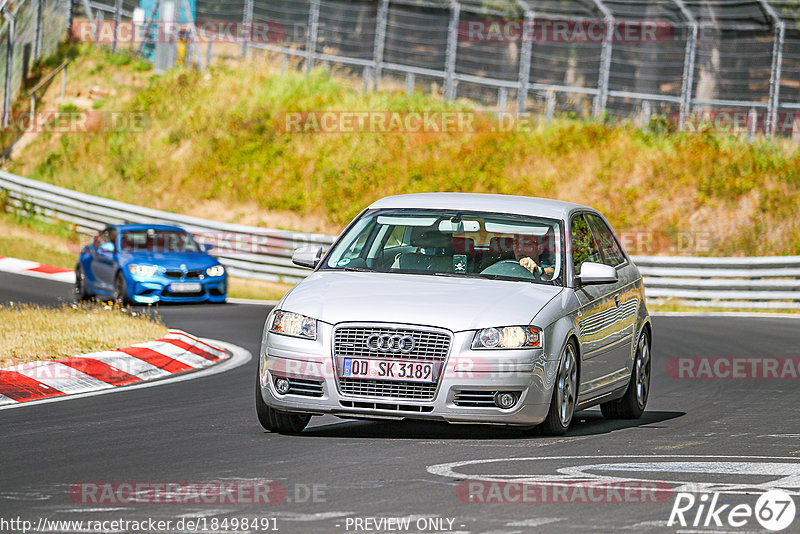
(596, 273)
(107, 246)
(207, 247)
(307, 257)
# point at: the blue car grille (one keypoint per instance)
(194, 274)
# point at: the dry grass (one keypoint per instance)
(38, 333)
(242, 288)
(36, 241)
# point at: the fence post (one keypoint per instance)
(380, 40)
(687, 79)
(525, 58)
(37, 44)
(601, 99)
(313, 30)
(452, 51)
(775, 73)
(92, 21)
(9, 63)
(117, 20)
(247, 20)
(550, 106)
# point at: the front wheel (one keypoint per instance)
(120, 290)
(632, 404)
(81, 293)
(565, 393)
(275, 421)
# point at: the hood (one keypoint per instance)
(454, 303)
(169, 260)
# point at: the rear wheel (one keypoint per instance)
(632, 404)
(275, 421)
(120, 290)
(565, 393)
(81, 293)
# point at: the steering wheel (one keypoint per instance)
(509, 268)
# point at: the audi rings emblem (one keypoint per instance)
(391, 343)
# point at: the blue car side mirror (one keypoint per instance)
(207, 247)
(108, 246)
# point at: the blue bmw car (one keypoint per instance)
(140, 263)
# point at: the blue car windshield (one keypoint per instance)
(452, 243)
(158, 241)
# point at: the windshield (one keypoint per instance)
(452, 243)
(158, 241)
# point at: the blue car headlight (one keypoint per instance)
(143, 270)
(215, 270)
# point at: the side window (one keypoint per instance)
(584, 247)
(612, 253)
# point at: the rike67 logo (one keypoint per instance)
(774, 510)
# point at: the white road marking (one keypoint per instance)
(534, 522)
(787, 474)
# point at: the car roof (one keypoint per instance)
(141, 227)
(511, 204)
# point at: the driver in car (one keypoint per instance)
(526, 251)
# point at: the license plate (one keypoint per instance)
(388, 370)
(189, 287)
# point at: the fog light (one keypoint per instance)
(505, 400)
(282, 386)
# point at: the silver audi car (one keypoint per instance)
(465, 308)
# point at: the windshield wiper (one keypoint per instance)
(456, 275)
(359, 270)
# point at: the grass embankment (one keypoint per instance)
(215, 147)
(39, 333)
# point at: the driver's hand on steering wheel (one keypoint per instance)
(531, 265)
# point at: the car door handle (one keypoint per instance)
(616, 300)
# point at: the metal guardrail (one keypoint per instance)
(265, 254)
(247, 251)
(771, 282)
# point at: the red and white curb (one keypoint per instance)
(39, 270)
(175, 353)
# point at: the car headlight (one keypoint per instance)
(215, 270)
(143, 270)
(508, 337)
(294, 324)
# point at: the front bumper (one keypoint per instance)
(154, 289)
(528, 373)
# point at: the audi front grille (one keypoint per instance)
(428, 346)
(351, 342)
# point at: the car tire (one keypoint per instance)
(120, 290)
(81, 293)
(275, 421)
(565, 393)
(633, 403)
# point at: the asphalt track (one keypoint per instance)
(205, 430)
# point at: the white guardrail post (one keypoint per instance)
(265, 254)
